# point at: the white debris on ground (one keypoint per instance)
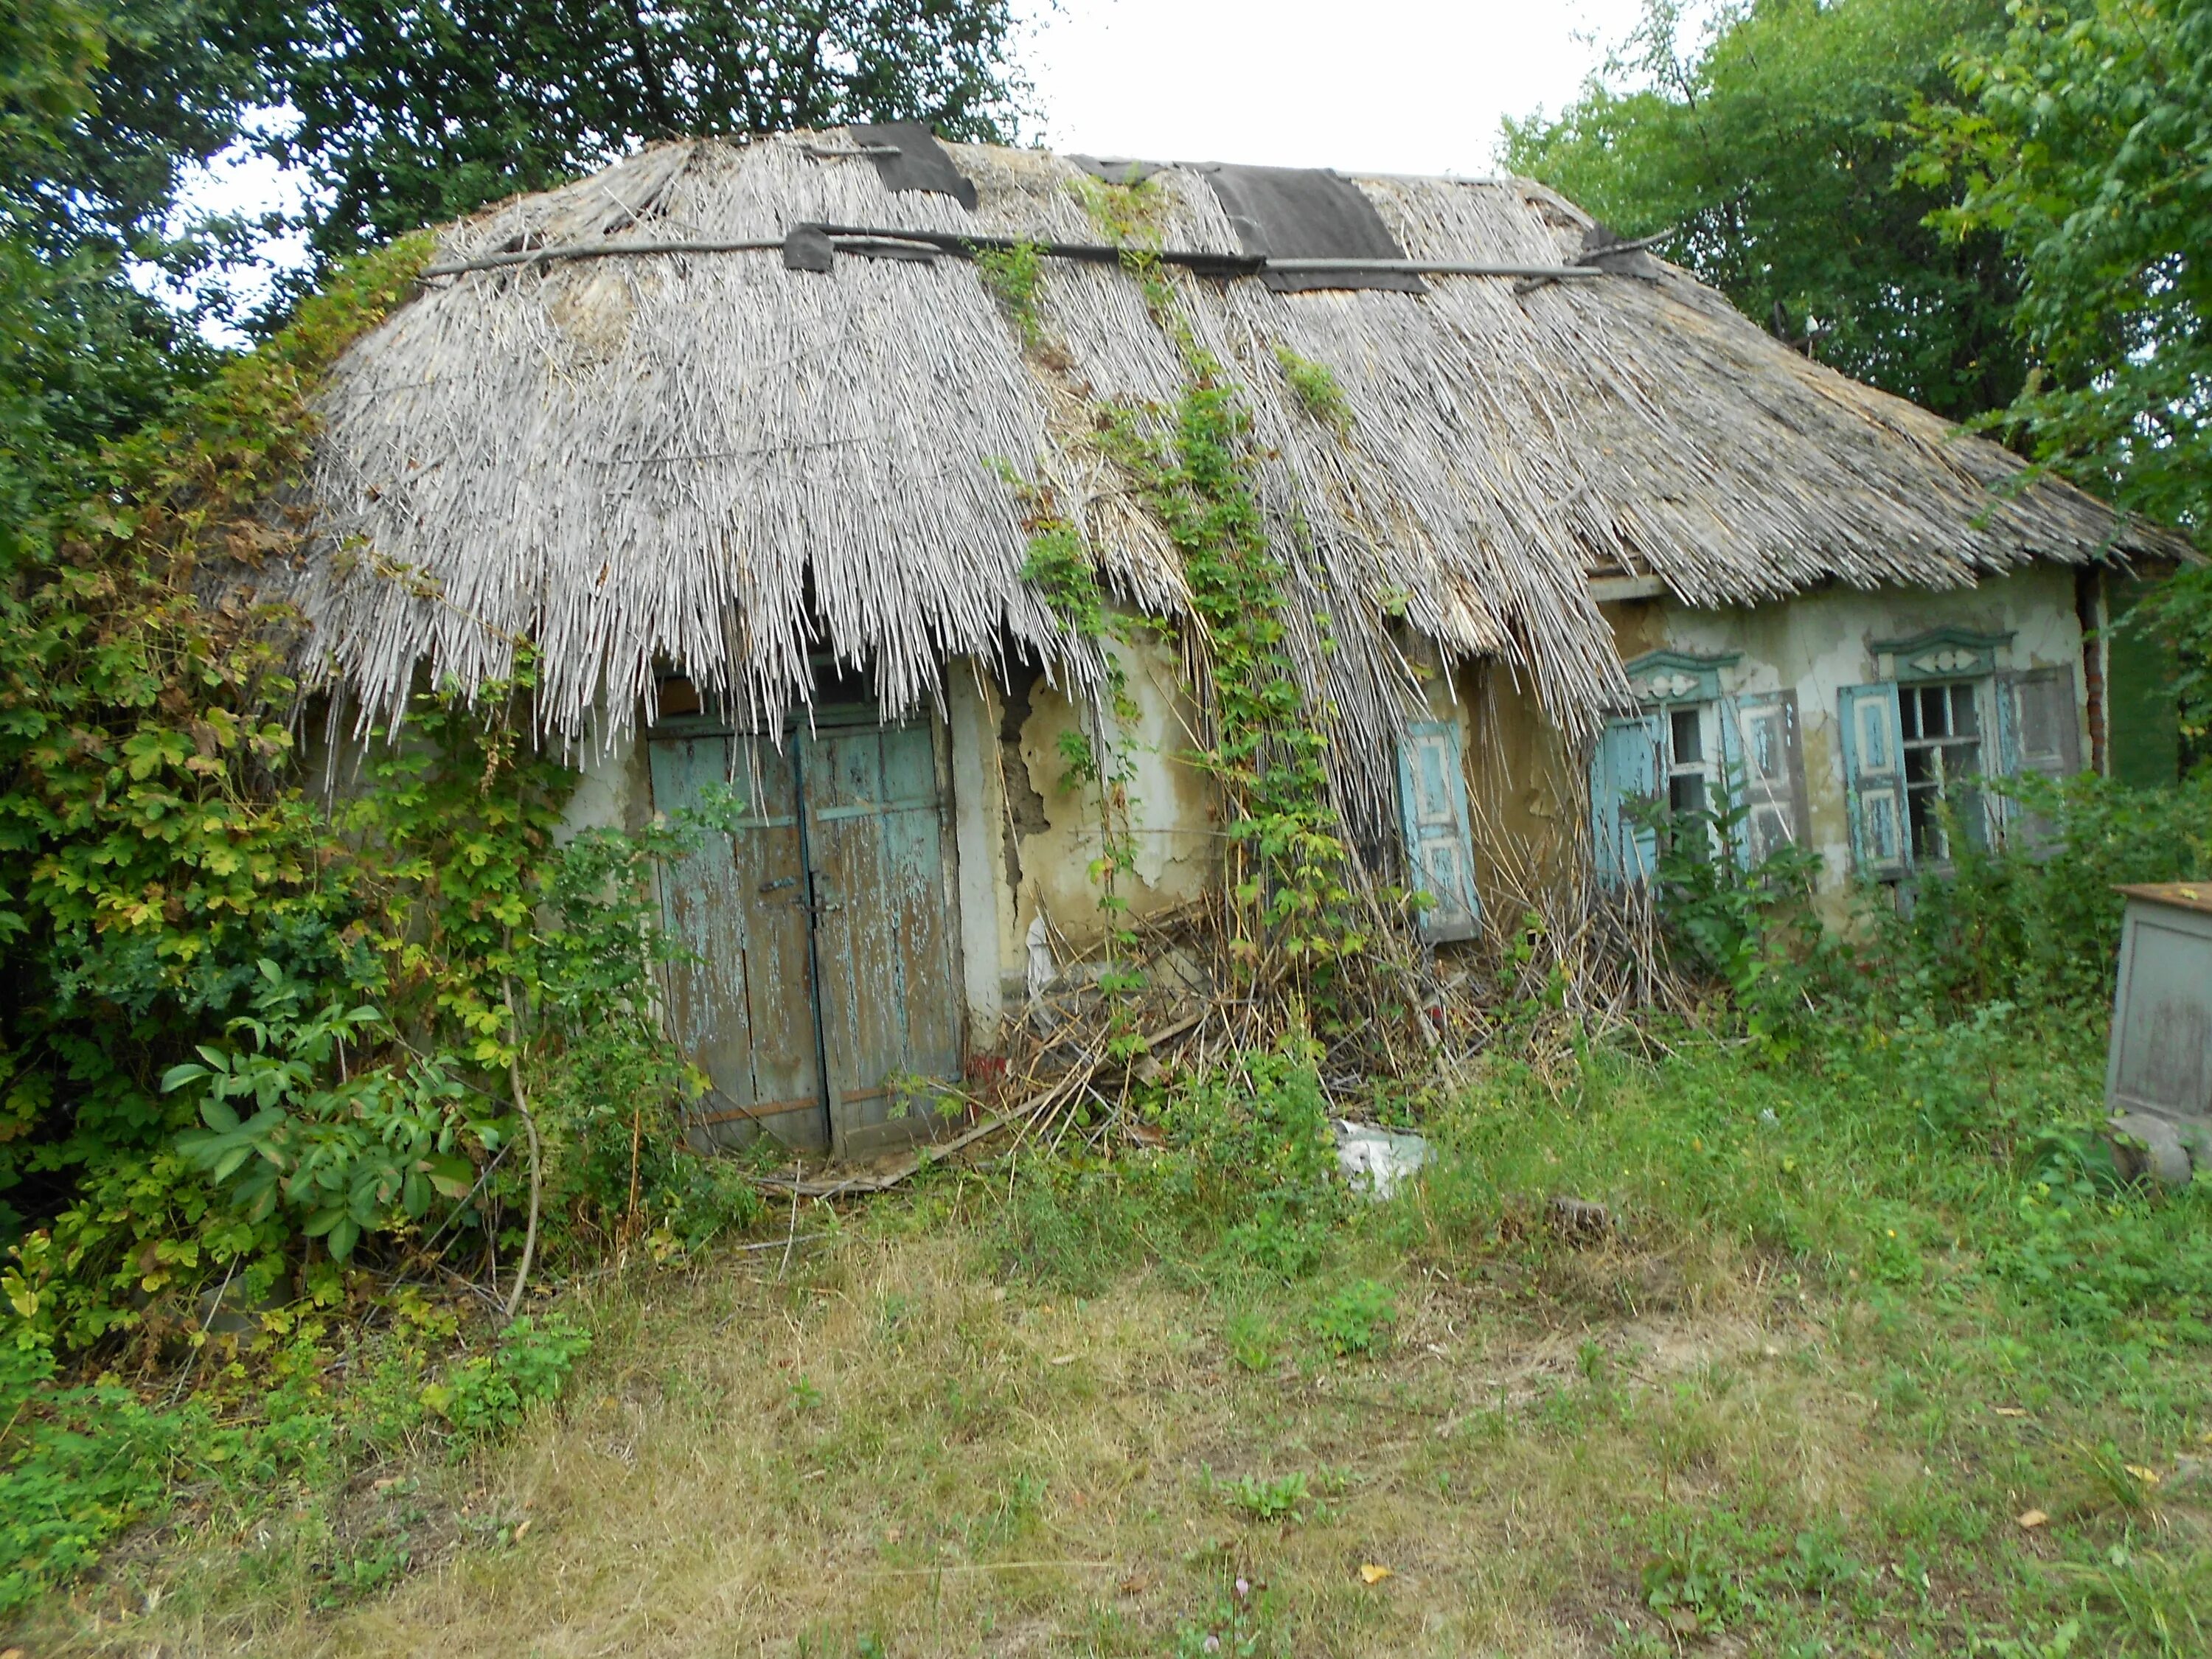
(1375, 1160)
(1044, 973)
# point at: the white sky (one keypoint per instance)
(1378, 86)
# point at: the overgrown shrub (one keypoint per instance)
(2033, 922)
(1748, 924)
(250, 1030)
(2037, 920)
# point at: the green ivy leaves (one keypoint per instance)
(363, 1153)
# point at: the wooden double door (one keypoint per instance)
(821, 982)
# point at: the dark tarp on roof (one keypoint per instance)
(808, 248)
(1309, 212)
(921, 163)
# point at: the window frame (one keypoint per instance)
(1669, 685)
(1636, 756)
(1954, 659)
(1925, 831)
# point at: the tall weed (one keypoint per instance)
(1245, 1184)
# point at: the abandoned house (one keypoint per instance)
(753, 440)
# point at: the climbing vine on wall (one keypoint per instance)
(1289, 900)
(246, 1030)
(1095, 757)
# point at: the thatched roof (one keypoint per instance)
(684, 455)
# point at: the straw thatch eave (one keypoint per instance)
(710, 459)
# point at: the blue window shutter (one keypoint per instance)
(2039, 730)
(1873, 779)
(1766, 774)
(1440, 851)
(1624, 771)
(2038, 726)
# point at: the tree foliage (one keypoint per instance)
(412, 114)
(2083, 137)
(1767, 155)
(104, 104)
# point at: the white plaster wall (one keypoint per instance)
(613, 789)
(982, 891)
(1172, 820)
(1820, 642)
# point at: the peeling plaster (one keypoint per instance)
(1173, 823)
(614, 789)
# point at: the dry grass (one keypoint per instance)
(890, 1445)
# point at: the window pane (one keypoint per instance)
(1962, 760)
(1935, 702)
(1917, 767)
(1908, 711)
(1963, 719)
(1686, 792)
(1973, 815)
(1689, 740)
(1927, 829)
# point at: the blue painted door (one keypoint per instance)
(822, 942)
(742, 1005)
(888, 992)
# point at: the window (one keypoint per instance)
(1941, 729)
(1691, 762)
(1689, 766)
(1771, 784)
(1916, 743)
(1698, 755)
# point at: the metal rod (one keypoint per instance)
(1434, 268)
(967, 245)
(595, 251)
(961, 245)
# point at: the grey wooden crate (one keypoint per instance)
(2162, 1048)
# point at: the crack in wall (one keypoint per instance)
(1025, 813)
